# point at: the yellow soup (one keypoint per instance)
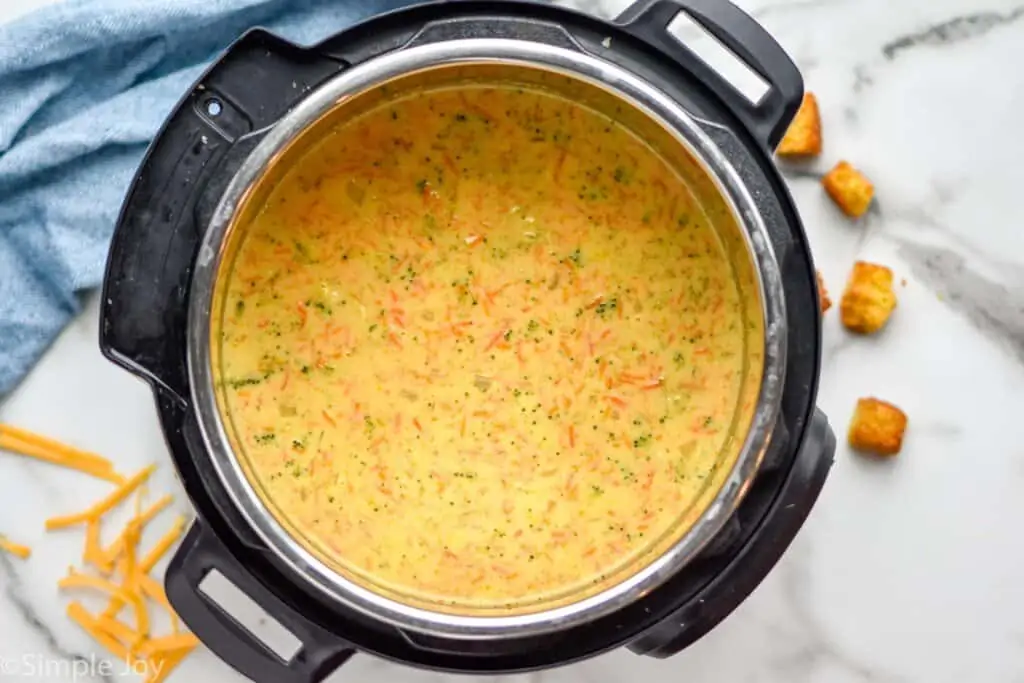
(482, 348)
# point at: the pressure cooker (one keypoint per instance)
(244, 115)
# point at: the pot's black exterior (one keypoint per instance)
(143, 327)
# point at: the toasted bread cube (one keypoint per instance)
(803, 137)
(824, 300)
(868, 299)
(849, 189)
(877, 427)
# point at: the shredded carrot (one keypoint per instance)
(103, 506)
(616, 401)
(572, 436)
(22, 551)
(560, 162)
(495, 338)
(416, 424)
(495, 292)
(457, 327)
(474, 240)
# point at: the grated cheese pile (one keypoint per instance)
(116, 570)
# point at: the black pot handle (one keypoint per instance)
(200, 553)
(759, 556)
(768, 118)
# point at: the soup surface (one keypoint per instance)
(481, 348)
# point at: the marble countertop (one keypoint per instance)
(908, 570)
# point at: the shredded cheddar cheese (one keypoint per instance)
(118, 629)
(32, 445)
(162, 667)
(120, 592)
(115, 549)
(162, 546)
(103, 506)
(91, 552)
(126, 579)
(78, 614)
(155, 592)
(16, 549)
(168, 644)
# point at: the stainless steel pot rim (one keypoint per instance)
(639, 94)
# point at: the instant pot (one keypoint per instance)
(255, 107)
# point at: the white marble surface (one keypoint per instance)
(907, 571)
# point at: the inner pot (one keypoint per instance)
(304, 309)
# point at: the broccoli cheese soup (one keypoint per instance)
(482, 346)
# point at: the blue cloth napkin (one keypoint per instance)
(84, 87)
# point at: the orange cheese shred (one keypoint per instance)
(33, 445)
(162, 546)
(146, 565)
(168, 644)
(118, 629)
(125, 596)
(94, 628)
(103, 506)
(155, 592)
(16, 549)
(129, 643)
(92, 553)
(161, 667)
(115, 549)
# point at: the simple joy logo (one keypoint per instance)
(30, 666)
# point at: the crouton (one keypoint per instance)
(849, 189)
(868, 299)
(826, 303)
(877, 427)
(803, 137)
